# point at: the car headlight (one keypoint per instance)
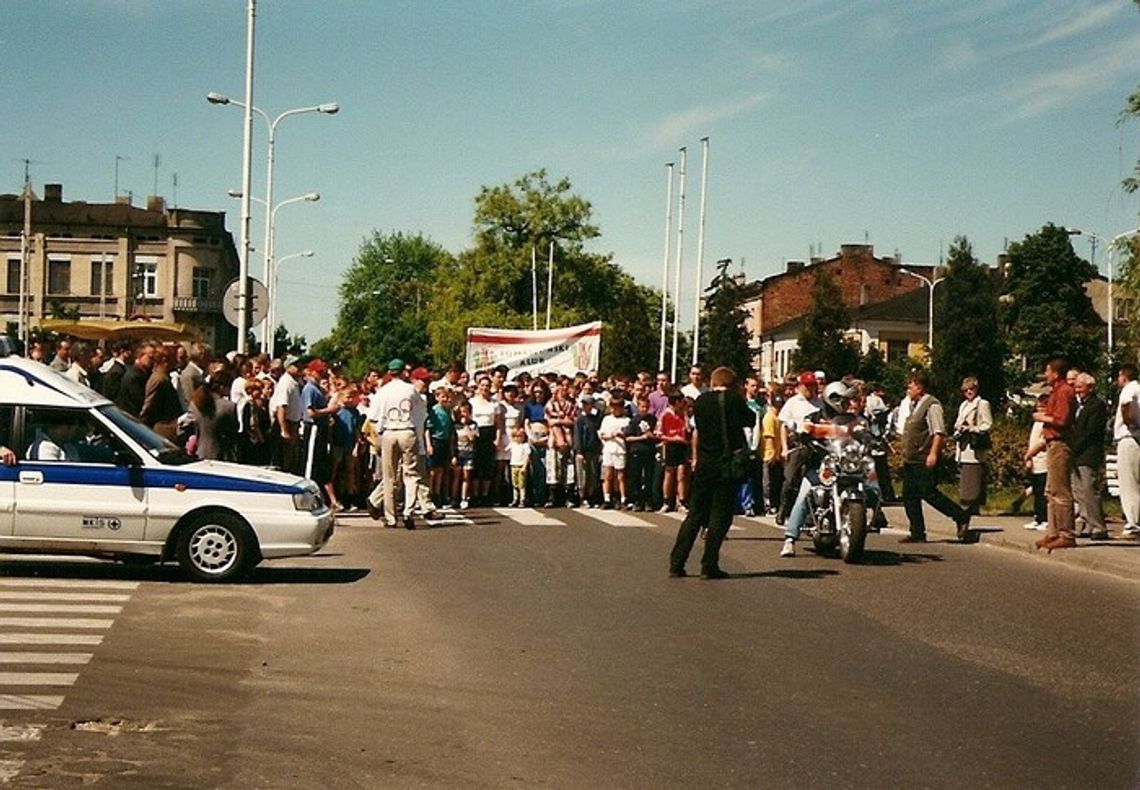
(308, 499)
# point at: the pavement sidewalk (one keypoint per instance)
(1118, 557)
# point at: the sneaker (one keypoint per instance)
(1130, 531)
(789, 549)
(629, 506)
(663, 509)
(464, 504)
(1030, 525)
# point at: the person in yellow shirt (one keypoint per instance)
(772, 447)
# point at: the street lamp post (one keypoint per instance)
(1110, 248)
(328, 108)
(271, 329)
(271, 262)
(930, 317)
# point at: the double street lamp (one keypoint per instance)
(329, 108)
(930, 316)
(1110, 249)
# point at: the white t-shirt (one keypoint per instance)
(520, 453)
(613, 427)
(1130, 394)
(484, 412)
(287, 393)
(797, 410)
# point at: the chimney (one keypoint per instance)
(794, 266)
(53, 193)
(155, 203)
(122, 200)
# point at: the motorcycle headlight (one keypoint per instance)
(850, 458)
(826, 474)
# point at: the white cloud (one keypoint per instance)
(697, 121)
(1084, 21)
(1056, 88)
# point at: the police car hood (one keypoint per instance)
(241, 472)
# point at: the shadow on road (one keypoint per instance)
(813, 573)
(171, 574)
(885, 558)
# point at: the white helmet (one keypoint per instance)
(836, 395)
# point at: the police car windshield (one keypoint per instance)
(164, 451)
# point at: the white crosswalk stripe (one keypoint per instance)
(41, 616)
(528, 517)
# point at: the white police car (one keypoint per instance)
(90, 480)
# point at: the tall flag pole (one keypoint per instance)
(680, 253)
(665, 262)
(700, 249)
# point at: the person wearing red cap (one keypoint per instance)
(796, 410)
(315, 429)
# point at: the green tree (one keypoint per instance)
(385, 300)
(285, 343)
(872, 366)
(491, 284)
(1047, 312)
(822, 341)
(1128, 284)
(724, 340)
(966, 326)
(1132, 110)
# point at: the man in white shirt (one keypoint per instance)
(399, 414)
(795, 412)
(696, 384)
(288, 410)
(1126, 434)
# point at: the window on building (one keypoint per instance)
(200, 283)
(102, 276)
(59, 275)
(146, 276)
(13, 280)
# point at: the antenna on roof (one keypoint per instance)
(117, 160)
(155, 160)
(174, 190)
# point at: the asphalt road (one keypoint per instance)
(557, 653)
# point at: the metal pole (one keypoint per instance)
(1111, 316)
(533, 288)
(700, 248)
(549, 284)
(25, 263)
(665, 262)
(246, 156)
(268, 328)
(680, 252)
(930, 319)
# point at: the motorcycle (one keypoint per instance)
(840, 495)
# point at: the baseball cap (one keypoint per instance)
(396, 364)
(317, 366)
(421, 373)
(807, 379)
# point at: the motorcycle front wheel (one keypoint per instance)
(853, 532)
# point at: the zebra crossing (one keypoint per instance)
(535, 517)
(49, 629)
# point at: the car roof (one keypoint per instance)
(28, 383)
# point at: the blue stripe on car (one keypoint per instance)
(99, 475)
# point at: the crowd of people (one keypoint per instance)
(406, 441)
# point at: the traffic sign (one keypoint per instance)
(258, 302)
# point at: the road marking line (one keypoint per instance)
(95, 584)
(527, 517)
(27, 702)
(63, 596)
(30, 657)
(50, 639)
(617, 518)
(38, 678)
(53, 622)
(21, 733)
(48, 608)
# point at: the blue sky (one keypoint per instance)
(902, 123)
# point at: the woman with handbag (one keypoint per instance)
(972, 445)
(719, 462)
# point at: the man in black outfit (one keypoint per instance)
(132, 391)
(720, 415)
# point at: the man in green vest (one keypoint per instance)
(923, 433)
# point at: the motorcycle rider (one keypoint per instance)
(842, 415)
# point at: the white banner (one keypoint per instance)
(570, 350)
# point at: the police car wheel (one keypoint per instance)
(215, 547)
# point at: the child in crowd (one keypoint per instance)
(441, 445)
(612, 434)
(466, 432)
(641, 454)
(520, 465)
(674, 433)
(587, 450)
(538, 434)
(1035, 463)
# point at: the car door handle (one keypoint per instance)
(32, 478)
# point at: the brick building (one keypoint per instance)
(118, 261)
(887, 306)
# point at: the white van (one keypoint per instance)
(91, 480)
